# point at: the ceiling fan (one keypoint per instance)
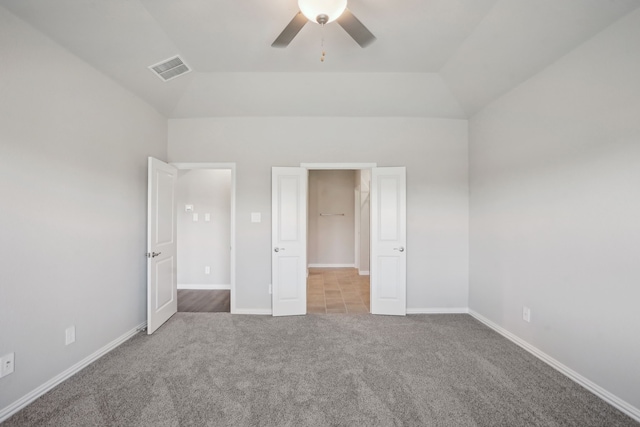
(324, 12)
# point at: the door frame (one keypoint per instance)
(232, 168)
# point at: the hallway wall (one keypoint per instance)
(204, 243)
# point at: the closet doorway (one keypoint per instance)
(289, 266)
(338, 241)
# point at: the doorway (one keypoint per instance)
(338, 220)
(205, 236)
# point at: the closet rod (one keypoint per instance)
(331, 214)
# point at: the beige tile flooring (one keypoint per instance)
(337, 290)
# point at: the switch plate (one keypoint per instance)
(207, 217)
(526, 314)
(270, 289)
(7, 363)
(70, 335)
(256, 217)
(195, 217)
(207, 270)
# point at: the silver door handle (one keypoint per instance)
(401, 249)
(153, 254)
(278, 249)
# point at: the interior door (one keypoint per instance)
(162, 289)
(289, 241)
(388, 241)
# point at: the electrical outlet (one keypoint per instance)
(207, 270)
(70, 335)
(7, 363)
(526, 314)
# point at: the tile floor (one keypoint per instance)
(337, 290)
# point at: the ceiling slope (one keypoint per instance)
(481, 48)
(118, 38)
(217, 38)
(518, 39)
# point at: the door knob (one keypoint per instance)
(153, 254)
(401, 249)
(278, 249)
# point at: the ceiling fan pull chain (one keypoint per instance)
(322, 42)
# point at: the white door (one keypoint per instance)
(289, 241)
(388, 241)
(162, 289)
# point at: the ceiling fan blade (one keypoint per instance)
(290, 31)
(355, 29)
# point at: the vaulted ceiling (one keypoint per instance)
(432, 58)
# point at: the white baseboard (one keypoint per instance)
(363, 273)
(205, 287)
(332, 266)
(36, 393)
(446, 310)
(608, 397)
(253, 311)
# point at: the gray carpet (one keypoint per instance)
(320, 370)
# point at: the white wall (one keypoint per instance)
(331, 239)
(73, 173)
(555, 210)
(204, 243)
(433, 150)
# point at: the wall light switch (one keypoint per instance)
(256, 217)
(188, 208)
(207, 270)
(195, 217)
(207, 217)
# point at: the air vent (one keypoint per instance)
(170, 68)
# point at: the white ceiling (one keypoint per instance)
(432, 58)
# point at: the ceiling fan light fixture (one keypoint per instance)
(322, 10)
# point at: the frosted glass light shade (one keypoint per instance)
(312, 8)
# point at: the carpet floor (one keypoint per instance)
(319, 370)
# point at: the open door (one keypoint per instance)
(162, 289)
(388, 241)
(289, 241)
